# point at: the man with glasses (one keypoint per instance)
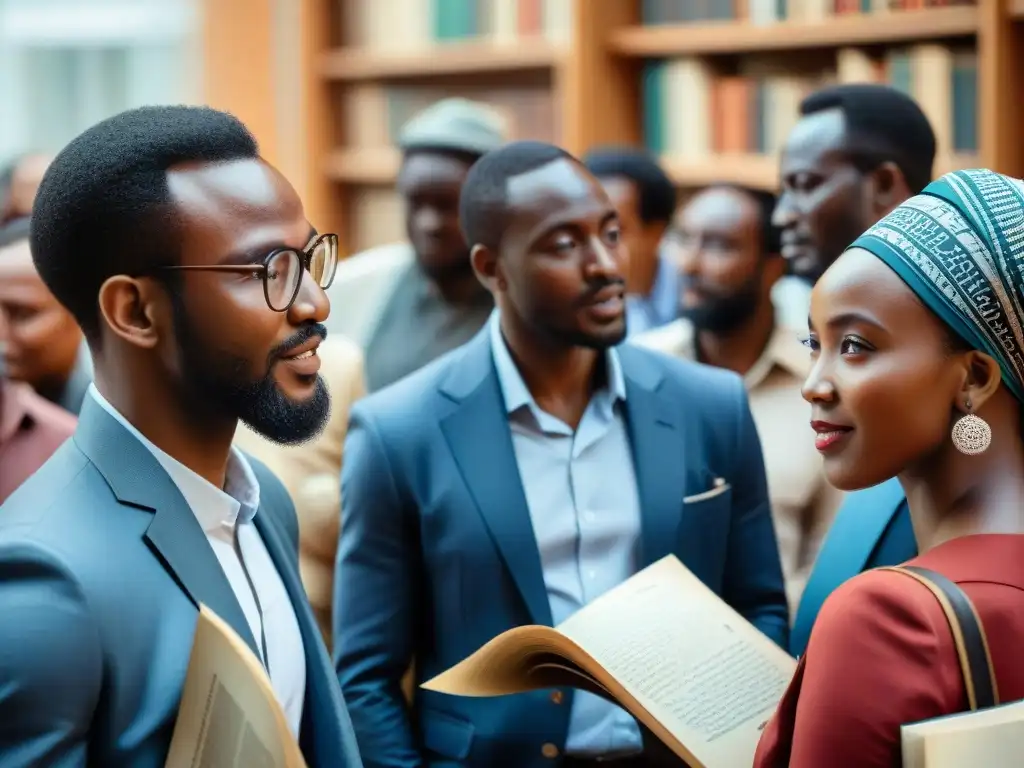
(199, 284)
(857, 152)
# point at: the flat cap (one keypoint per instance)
(457, 125)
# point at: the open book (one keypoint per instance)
(229, 716)
(992, 738)
(664, 647)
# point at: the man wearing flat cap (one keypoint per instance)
(408, 303)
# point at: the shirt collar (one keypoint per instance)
(213, 507)
(514, 389)
(784, 351)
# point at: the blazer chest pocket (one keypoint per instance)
(446, 735)
(704, 532)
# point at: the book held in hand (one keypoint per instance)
(229, 716)
(986, 738)
(662, 646)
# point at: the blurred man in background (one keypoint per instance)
(31, 428)
(408, 303)
(44, 346)
(19, 181)
(646, 199)
(727, 253)
(857, 152)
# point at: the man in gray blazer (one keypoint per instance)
(190, 266)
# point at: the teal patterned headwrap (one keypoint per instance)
(959, 245)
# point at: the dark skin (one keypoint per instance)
(716, 239)
(430, 184)
(43, 338)
(557, 278)
(226, 210)
(640, 238)
(826, 201)
(885, 370)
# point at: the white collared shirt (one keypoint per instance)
(223, 514)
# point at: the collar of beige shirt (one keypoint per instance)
(784, 350)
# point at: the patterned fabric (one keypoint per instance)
(959, 245)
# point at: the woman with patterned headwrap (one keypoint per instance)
(917, 336)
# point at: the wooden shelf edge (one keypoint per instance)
(762, 171)
(748, 170)
(352, 64)
(733, 37)
(372, 166)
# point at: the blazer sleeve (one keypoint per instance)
(753, 572)
(880, 655)
(51, 662)
(375, 599)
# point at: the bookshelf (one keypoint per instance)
(582, 81)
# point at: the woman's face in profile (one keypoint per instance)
(883, 383)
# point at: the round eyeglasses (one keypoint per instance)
(281, 271)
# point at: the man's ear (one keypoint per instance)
(982, 377)
(487, 267)
(888, 188)
(132, 308)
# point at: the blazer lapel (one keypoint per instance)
(655, 433)
(174, 535)
(844, 553)
(326, 736)
(480, 440)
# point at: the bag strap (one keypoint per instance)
(968, 634)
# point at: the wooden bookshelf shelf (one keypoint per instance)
(378, 165)
(528, 55)
(592, 74)
(732, 37)
(748, 170)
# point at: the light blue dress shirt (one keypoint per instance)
(582, 494)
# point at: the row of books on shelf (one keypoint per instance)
(403, 24)
(690, 110)
(768, 11)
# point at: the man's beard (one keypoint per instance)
(725, 312)
(218, 383)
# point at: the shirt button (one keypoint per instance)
(556, 697)
(549, 751)
(591, 574)
(589, 517)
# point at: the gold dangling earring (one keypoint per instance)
(971, 434)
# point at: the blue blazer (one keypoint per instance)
(437, 553)
(871, 529)
(102, 568)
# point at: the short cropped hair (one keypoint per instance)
(771, 236)
(484, 196)
(104, 207)
(655, 191)
(883, 124)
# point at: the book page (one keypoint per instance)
(663, 646)
(708, 676)
(229, 716)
